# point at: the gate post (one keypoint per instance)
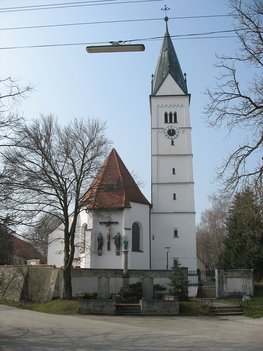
(220, 282)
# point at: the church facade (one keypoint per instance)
(116, 216)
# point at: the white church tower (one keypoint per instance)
(173, 236)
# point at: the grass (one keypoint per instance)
(193, 308)
(254, 308)
(70, 307)
(62, 307)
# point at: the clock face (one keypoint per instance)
(171, 132)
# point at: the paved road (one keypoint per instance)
(22, 330)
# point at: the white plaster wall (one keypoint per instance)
(163, 197)
(162, 104)
(140, 260)
(125, 218)
(162, 145)
(86, 256)
(56, 248)
(108, 259)
(164, 168)
(169, 86)
(182, 247)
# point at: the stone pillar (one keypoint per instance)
(220, 282)
(125, 276)
(125, 262)
(103, 287)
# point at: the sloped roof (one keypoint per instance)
(25, 250)
(168, 63)
(113, 187)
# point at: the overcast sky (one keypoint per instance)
(70, 83)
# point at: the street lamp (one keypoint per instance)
(114, 47)
(167, 248)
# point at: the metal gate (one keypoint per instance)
(201, 284)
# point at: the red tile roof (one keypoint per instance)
(25, 250)
(113, 187)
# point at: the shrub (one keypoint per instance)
(90, 295)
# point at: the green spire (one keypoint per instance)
(168, 64)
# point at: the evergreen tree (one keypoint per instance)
(243, 245)
(6, 246)
(179, 283)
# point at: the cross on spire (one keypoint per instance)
(166, 9)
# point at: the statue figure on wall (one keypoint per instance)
(125, 243)
(108, 239)
(117, 242)
(100, 244)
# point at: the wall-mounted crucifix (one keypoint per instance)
(108, 226)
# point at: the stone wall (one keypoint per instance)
(32, 283)
(43, 283)
(106, 307)
(151, 307)
(12, 282)
(234, 282)
(108, 282)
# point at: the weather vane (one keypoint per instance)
(166, 9)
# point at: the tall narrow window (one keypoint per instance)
(172, 142)
(136, 237)
(176, 233)
(170, 117)
(83, 238)
(174, 196)
(165, 117)
(173, 171)
(175, 117)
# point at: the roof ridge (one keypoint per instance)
(121, 176)
(113, 187)
(117, 159)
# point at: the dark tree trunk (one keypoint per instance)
(67, 283)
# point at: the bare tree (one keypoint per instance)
(211, 232)
(10, 95)
(237, 102)
(49, 169)
(39, 234)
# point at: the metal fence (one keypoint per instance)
(201, 284)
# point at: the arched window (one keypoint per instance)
(170, 117)
(175, 117)
(83, 238)
(136, 237)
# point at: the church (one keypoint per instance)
(116, 216)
